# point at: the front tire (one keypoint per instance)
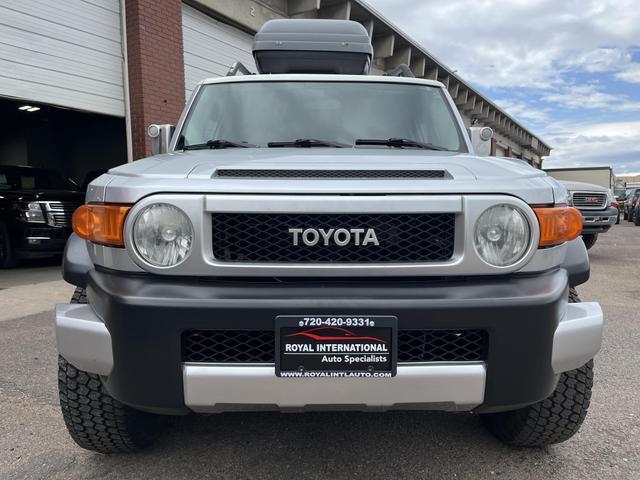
(636, 220)
(95, 420)
(589, 240)
(552, 420)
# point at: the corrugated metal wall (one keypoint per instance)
(211, 47)
(65, 53)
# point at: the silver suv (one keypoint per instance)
(315, 241)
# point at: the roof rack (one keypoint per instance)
(238, 67)
(401, 70)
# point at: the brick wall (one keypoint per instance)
(156, 66)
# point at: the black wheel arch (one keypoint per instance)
(76, 262)
(576, 263)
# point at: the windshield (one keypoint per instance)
(17, 178)
(262, 112)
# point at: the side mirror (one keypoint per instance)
(481, 140)
(160, 137)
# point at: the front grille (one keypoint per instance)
(228, 346)
(355, 174)
(258, 346)
(441, 345)
(402, 238)
(59, 213)
(595, 201)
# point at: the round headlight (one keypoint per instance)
(162, 235)
(502, 235)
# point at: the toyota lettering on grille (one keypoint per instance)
(331, 236)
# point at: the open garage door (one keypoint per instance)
(211, 47)
(64, 53)
(75, 144)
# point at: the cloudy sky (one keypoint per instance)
(569, 70)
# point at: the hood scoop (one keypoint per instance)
(339, 174)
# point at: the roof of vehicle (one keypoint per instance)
(582, 186)
(298, 77)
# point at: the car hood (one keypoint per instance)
(195, 171)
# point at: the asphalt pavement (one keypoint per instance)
(415, 445)
(32, 288)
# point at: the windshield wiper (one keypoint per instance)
(308, 143)
(399, 143)
(218, 144)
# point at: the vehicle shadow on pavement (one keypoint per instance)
(319, 445)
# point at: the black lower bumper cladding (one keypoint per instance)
(147, 317)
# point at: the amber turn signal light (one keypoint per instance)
(103, 224)
(558, 224)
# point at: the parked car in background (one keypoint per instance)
(635, 214)
(596, 205)
(36, 206)
(631, 200)
(617, 204)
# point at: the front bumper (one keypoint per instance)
(213, 388)
(599, 221)
(130, 334)
(38, 241)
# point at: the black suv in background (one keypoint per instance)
(36, 206)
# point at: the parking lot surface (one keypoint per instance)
(35, 445)
(32, 288)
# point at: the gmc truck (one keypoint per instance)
(596, 205)
(315, 238)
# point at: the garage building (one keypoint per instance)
(81, 80)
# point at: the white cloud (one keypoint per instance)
(583, 144)
(601, 60)
(522, 43)
(588, 96)
(523, 111)
(610, 59)
(630, 74)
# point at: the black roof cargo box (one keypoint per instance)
(313, 46)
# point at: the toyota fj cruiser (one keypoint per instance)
(316, 238)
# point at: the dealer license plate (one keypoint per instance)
(336, 346)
